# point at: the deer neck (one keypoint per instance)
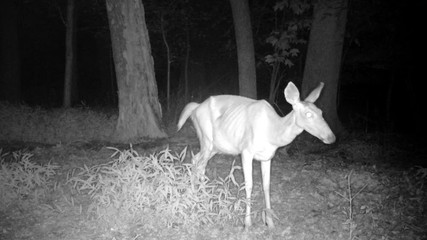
(287, 130)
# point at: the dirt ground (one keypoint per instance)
(317, 191)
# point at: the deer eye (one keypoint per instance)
(309, 115)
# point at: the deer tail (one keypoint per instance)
(186, 113)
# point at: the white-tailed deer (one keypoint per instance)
(238, 125)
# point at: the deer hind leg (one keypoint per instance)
(200, 160)
(247, 173)
(265, 169)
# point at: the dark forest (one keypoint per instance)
(212, 119)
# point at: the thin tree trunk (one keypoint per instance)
(112, 76)
(245, 48)
(168, 78)
(187, 62)
(139, 108)
(69, 55)
(324, 56)
(273, 79)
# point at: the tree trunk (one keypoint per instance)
(10, 61)
(245, 48)
(274, 83)
(324, 54)
(139, 108)
(169, 61)
(69, 54)
(187, 61)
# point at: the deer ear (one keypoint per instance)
(291, 93)
(314, 95)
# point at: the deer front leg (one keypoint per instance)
(265, 169)
(247, 173)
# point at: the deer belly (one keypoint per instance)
(224, 144)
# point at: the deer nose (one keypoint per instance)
(330, 138)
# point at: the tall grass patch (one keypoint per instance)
(157, 191)
(24, 180)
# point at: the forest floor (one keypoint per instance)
(356, 189)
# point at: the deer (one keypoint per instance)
(236, 125)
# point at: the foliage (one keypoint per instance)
(158, 190)
(285, 39)
(22, 179)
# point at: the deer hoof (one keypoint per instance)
(268, 218)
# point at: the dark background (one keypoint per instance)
(383, 56)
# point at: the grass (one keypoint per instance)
(160, 186)
(23, 180)
(160, 191)
(23, 123)
(356, 190)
